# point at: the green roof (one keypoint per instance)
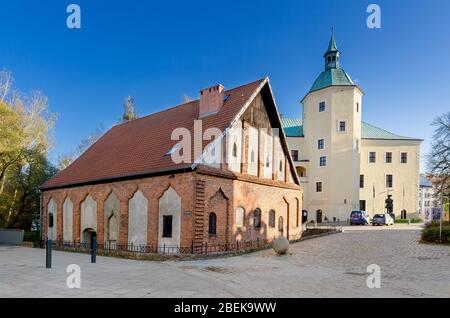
(332, 47)
(293, 127)
(332, 77)
(369, 131)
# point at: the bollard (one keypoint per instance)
(48, 254)
(94, 250)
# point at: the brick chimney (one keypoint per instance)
(211, 100)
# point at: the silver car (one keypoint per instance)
(382, 219)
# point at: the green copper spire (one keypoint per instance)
(332, 47)
(332, 54)
(333, 75)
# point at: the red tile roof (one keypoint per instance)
(138, 147)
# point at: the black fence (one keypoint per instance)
(206, 248)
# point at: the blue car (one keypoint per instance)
(359, 218)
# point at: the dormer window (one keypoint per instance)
(171, 151)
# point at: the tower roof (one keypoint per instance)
(332, 47)
(332, 77)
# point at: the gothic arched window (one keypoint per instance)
(272, 218)
(257, 218)
(212, 230)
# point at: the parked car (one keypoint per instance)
(382, 219)
(359, 218)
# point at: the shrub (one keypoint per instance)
(416, 220)
(430, 233)
(401, 221)
(31, 236)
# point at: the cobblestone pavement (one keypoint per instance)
(330, 266)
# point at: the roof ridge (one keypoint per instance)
(183, 104)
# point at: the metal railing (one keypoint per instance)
(204, 248)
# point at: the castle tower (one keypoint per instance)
(332, 141)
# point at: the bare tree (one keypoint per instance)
(6, 81)
(64, 160)
(187, 99)
(439, 157)
(129, 110)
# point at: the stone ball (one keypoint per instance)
(280, 245)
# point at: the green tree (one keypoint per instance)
(26, 126)
(19, 204)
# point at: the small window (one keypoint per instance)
(252, 156)
(361, 181)
(357, 107)
(388, 157)
(281, 165)
(212, 224)
(50, 220)
(297, 215)
(320, 144)
(294, 154)
(318, 186)
(342, 126)
(268, 162)
(323, 161)
(372, 157)
(257, 218)
(280, 225)
(404, 157)
(234, 153)
(389, 181)
(321, 106)
(272, 218)
(167, 226)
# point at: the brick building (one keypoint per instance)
(127, 188)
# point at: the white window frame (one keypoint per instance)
(338, 128)
(368, 157)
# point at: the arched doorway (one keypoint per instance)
(88, 235)
(304, 216)
(403, 215)
(319, 216)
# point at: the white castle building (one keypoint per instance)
(345, 164)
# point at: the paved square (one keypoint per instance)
(331, 266)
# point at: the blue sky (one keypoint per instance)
(159, 51)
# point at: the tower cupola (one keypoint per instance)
(332, 55)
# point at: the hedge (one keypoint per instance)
(430, 233)
(412, 220)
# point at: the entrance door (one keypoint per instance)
(88, 235)
(319, 216)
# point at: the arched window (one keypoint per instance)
(272, 218)
(280, 224)
(212, 230)
(234, 153)
(257, 218)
